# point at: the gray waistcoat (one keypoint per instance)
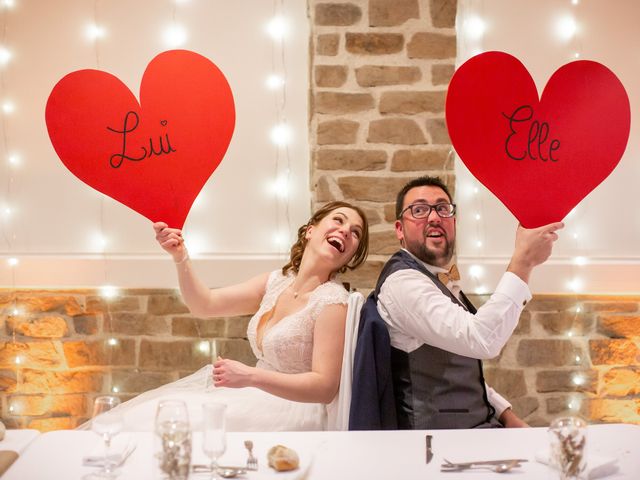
(436, 389)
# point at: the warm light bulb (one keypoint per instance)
(13, 261)
(8, 107)
(575, 285)
(175, 36)
(108, 291)
(476, 271)
(474, 28)
(14, 160)
(279, 239)
(277, 28)
(204, 347)
(99, 242)
(6, 211)
(280, 187)
(578, 359)
(566, 27)
(8, 3)
(112, 342)
(576, 55)
(478, 243)
(281, 134)
(575, 2)
(580, 261)
(18, 360)
(578, 379)
(477, 216)
(5, 56)
(274, 81)
(95, 32)
(115, 389)
(476, 190)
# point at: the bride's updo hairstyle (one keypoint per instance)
(298, 248)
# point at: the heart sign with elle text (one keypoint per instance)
(539, 155)
(154, 155)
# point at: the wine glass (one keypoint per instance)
(107, 423)
(172, 428)
(214, 441)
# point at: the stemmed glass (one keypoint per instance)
(174, 433)
(214, 441)
(107, 423)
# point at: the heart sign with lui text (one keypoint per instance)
(153, 155)
(539, 155)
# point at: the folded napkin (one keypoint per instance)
(7, 457)
(597, 466)
(121, 447)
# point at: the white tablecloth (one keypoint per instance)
(336, 455)
(18, 440)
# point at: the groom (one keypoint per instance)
(437, 336)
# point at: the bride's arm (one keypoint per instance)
(320, 385)
(240, 299)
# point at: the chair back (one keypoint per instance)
(338, 410)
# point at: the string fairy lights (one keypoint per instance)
(281, 133)
(7, 220)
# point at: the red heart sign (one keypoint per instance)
(540, 157)
(154, 156)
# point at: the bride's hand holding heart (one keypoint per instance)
(170, 239)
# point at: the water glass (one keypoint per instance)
(173, 437)
(214, 441)
(568, 438)
(107, 423)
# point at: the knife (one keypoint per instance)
(429, 449)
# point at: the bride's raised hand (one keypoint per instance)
(170, 239)
(233, 374)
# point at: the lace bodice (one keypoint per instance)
(287, 345)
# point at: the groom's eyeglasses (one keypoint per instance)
(422, 210)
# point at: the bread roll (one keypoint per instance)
(283, 459)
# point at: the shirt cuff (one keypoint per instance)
(498, 402)
(513, 287)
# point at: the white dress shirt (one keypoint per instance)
(417, 312)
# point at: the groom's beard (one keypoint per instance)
(438, 258)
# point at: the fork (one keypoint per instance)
(252, 462)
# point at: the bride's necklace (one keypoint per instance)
(296, 293)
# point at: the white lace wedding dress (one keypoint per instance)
(286, 347)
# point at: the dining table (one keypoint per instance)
(390, 455)
(18, 440)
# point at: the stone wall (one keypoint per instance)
(379, 72)
(572, 354)
(60, 349)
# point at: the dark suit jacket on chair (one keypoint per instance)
(372, 399)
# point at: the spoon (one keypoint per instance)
(230, 472)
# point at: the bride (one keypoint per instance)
(296, 332)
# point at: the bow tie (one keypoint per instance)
(451, 276)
